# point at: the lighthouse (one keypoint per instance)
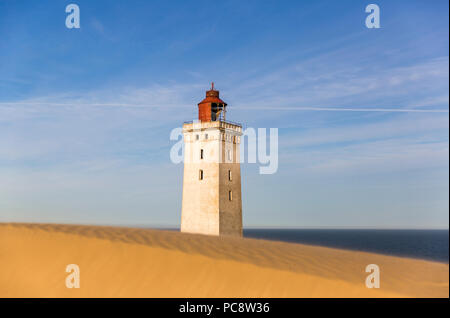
(212, 201)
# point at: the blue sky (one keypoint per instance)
(85, 114)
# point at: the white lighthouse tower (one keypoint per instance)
(212, 201)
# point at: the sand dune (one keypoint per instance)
(130, 262)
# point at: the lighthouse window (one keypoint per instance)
(206, 136)
(229, 154)
(229, 175)
(200, 175)
(230, 195)
(197, 137)
(201, 153)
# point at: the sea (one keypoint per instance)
(421, 244)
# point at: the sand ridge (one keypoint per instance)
(133, 262)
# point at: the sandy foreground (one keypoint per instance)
(131, 262)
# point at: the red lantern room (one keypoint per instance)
(212, 108)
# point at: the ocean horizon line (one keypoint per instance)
(256, 227)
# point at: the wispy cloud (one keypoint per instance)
(325, 83)
(275, 108)
(415, 127)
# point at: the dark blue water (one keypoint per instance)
(423, 244)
